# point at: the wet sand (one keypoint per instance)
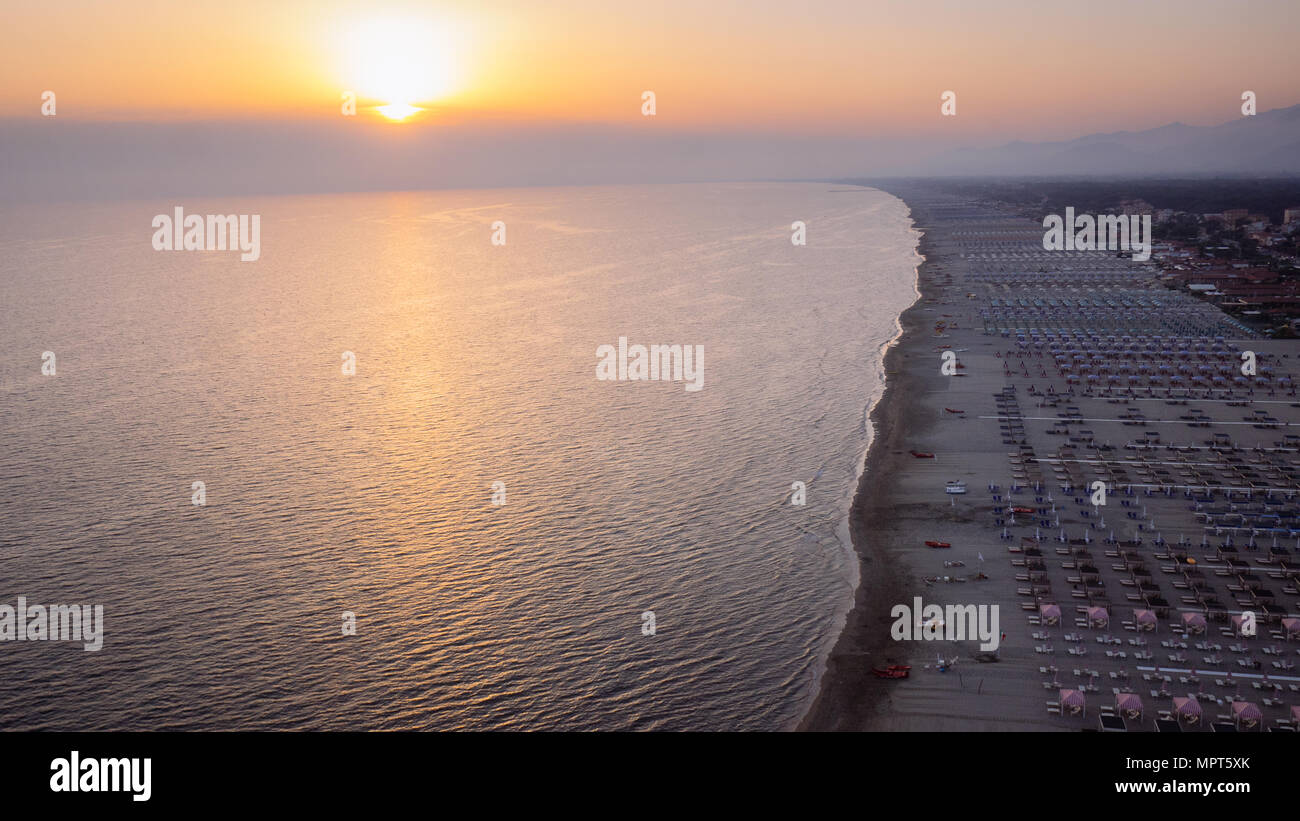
(899, 505)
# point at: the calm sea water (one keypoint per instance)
(372, 493)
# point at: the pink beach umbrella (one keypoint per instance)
(1129, 704)
(1246, 714)
(1098, 617)
(1188, 709)
(1146, 619)
(1194, 622)
(1292, 628)
(1050, 613)
(1072, 702)
(1237, 622)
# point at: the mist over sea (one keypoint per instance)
(372, 493)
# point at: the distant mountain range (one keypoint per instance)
(1266, 143)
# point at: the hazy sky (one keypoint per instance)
(818, 72)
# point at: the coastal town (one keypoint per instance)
(1245, 261)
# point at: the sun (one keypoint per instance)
(400, 61)
(398, 111)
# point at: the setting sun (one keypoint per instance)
(401, 62)
(397, 111)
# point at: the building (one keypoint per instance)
(1136, 208)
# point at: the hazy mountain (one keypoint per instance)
(47, 159)
(1267, 143)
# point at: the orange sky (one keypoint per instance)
(827, 67)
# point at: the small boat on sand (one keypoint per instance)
(892, 671)
(955, 487)
(933, 543)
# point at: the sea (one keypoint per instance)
(372, 481)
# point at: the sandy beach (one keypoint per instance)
(894, 513)
(993, 427)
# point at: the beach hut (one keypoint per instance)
(1194, 622)
(1295, 715)
(1145, 619)
(1187, 709)
(1246, 714)
(1129, 705)
(1050, 613)
(1072, 702)
(1292, 628)
(1098, 617)
(1237, 622)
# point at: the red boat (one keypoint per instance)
(937, 544)
(953, 410)
(892, 671)
(922, 455)
(1028, 511)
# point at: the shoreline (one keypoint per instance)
(849, 696)
(1073, 367)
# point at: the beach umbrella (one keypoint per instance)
(1129, 704)
(1098, 617)
(1292, 627)
(1072, 702)
(1194, 622)
(1246, 714)
(1146, 619)
(1050, 613)
(1188, 709)
(1237, 622)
